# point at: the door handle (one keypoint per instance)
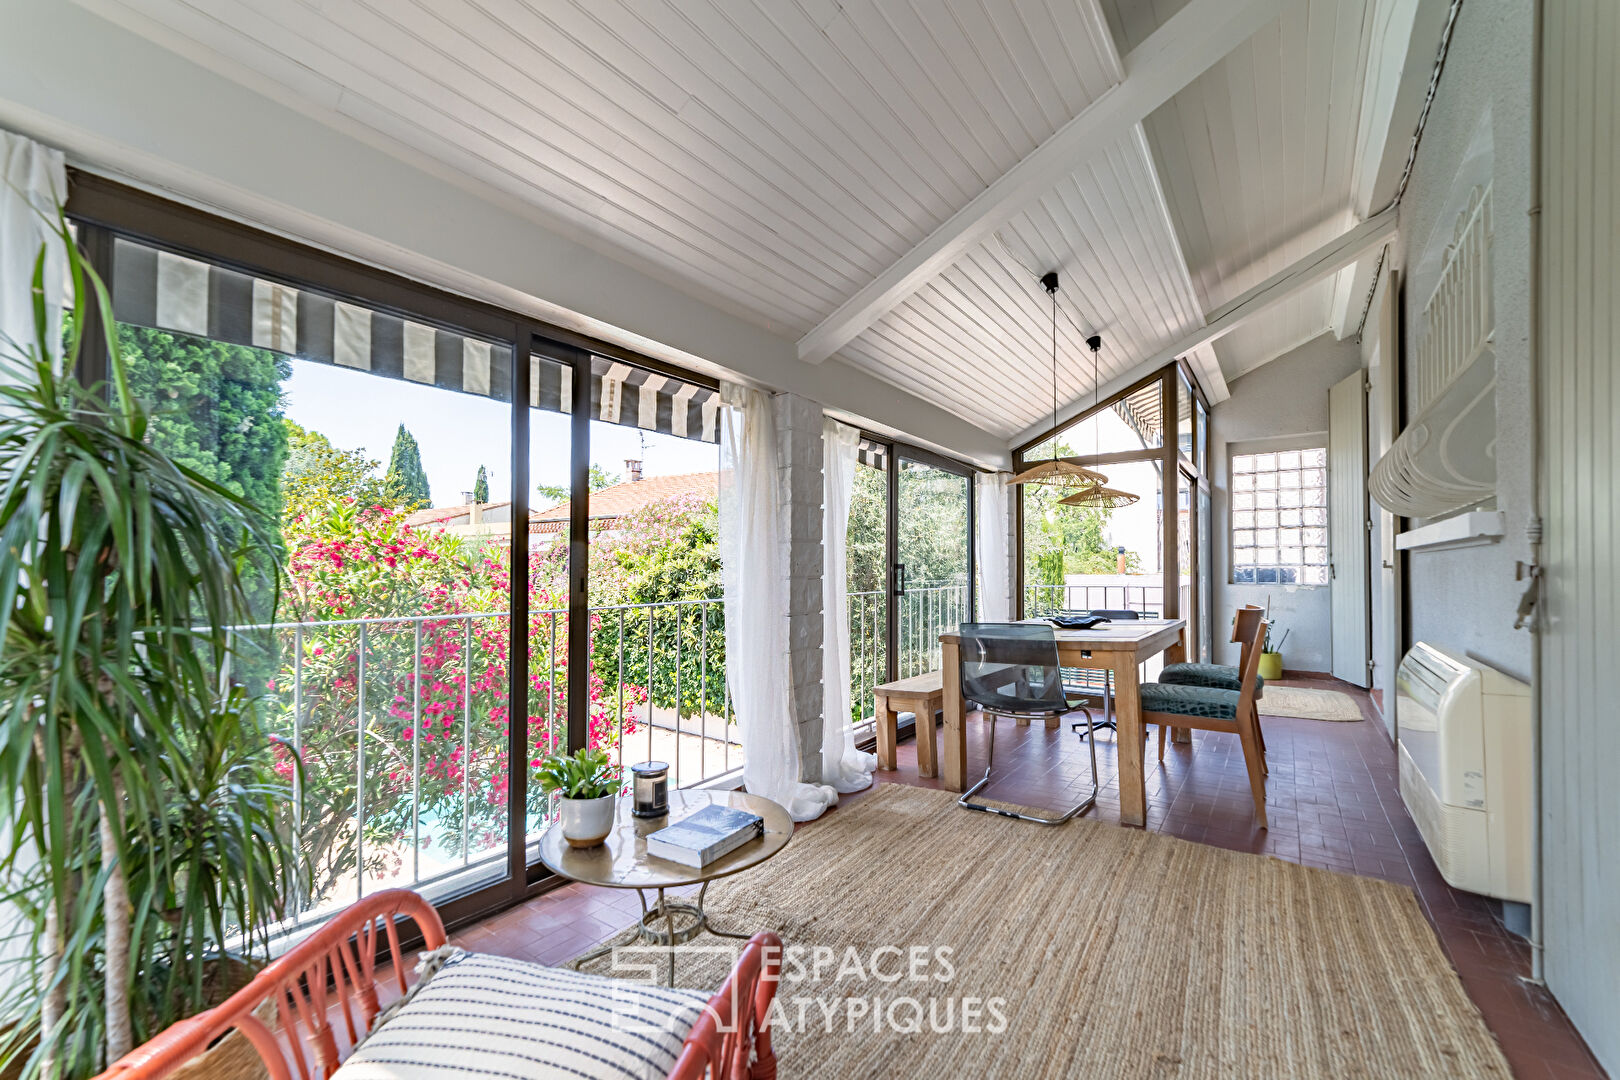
(899, 579)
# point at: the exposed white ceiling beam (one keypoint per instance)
(1319, 265)
(1400, 55)
(1204, 361)
(1192, 41)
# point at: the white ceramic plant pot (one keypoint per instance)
(587, 822)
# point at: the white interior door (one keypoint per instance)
(1347, 528)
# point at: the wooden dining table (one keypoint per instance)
(1121, 647)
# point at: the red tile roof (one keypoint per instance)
(628, 497)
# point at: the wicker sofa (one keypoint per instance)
(292, 1015)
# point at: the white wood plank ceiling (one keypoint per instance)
(777, 156)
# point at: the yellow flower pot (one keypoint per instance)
(1271, 665)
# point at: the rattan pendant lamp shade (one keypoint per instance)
(1054, 472)
(1098, 494)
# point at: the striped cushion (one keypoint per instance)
(1220, 676)
(488, 1016)
(1203, 701)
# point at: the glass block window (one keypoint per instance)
(1279, 518)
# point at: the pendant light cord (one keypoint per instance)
(1053, 294)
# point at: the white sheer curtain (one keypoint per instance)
(842, 766)
(995, 584)
(754, 571)
(32, 182)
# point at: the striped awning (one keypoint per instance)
(166, 291)
(874, 454)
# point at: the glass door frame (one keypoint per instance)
(893, 452)
(896, 590)
(1172, 464)
(102, 210)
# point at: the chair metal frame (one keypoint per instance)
(991, 715)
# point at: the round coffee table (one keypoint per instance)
(622, 862)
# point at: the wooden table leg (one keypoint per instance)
(1128, 714)
(887, 724)
(927, 740)
(953, 767)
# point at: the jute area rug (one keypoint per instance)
(1308, 704)
(1088, 950)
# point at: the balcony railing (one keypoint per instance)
(1046, 599)
(400, 723)
(924, 612)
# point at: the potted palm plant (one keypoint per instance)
(587, 789)
(144, 846)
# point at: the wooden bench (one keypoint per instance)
(922, 695)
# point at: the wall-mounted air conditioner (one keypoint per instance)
(1465, 764)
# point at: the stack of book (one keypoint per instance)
(702, 837)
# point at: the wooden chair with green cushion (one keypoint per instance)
(1210, 708)
(1225, 676)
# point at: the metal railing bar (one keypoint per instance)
(416, 753)
(466, 748)
(360, 769)
(298, 755)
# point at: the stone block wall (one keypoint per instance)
(799, 460)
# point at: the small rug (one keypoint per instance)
(1307, 704)
(924, 941)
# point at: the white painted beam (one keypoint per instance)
(1192, 41)
(1319, 265)
(1400, 54)
(1203, 360)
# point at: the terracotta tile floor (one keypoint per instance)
(1332, 800)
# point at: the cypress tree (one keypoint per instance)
(481, 486)
(406, 481)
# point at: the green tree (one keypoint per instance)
(216, 408)
(317, 474)
(1062, 540)
(406, 480)
(597, 479)
(481, 486)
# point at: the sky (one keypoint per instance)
(459, 432)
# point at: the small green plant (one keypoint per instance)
(1266, 646)
(585, 775)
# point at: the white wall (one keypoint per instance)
(1479, 132)
(1285, 402)
(118, 103)
(1580, 398)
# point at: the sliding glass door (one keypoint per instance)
(494, 541)
(932, 581)
(910, 576)
(867, 578)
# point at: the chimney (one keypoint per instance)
(466, 498)
(634, 468)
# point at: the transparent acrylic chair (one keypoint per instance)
(1011, 670)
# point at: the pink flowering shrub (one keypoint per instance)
(415, 697)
